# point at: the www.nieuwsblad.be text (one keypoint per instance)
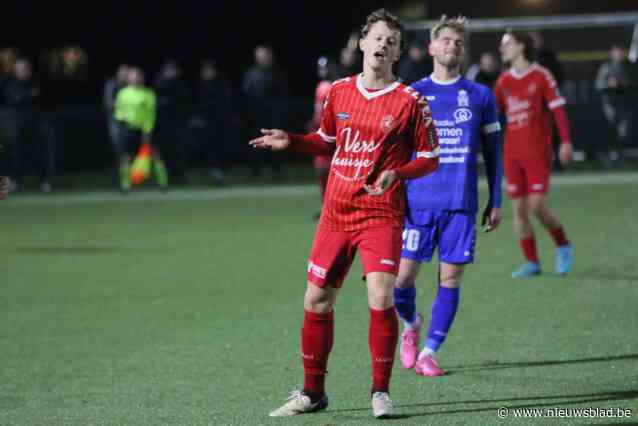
(559, 412)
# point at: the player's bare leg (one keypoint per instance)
(380, 290)
(443, 313)
(319, 300)
(382, 338)
(539, 206)
(522, 222)
(405, 296)
(525, 233)
(451, 274)
(316, 343)
(408, 271)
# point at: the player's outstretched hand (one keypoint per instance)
(491, 218)
(4, 187)
(273, 139)
(565, 153)
(382, 183)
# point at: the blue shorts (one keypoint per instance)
(454, 232)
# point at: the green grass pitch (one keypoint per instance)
(185, 309)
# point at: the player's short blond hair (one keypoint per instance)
(455, 23)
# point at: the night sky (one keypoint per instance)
(148, 33)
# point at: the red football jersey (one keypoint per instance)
(373, 131)
(527, 99)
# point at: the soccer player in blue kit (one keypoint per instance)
(442, 207)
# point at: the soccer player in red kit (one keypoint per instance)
(372, 125)
(526, 93)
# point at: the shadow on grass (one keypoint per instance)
(555, 400)
(85, 250)
(539, 401)
(497, 365)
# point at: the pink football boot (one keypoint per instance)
(427, 366)
(410, 345)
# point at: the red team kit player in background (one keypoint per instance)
(371, 125)
(526, 93)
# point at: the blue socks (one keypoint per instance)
(405, 302)
(444, 310)
(443, 313)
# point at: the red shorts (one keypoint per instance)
(333, 252)
(529, 176)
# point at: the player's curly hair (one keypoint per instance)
(455, 23)
(391, 21)
(524, 38)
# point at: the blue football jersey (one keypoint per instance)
(463, 111)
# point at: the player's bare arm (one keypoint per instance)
(565, 153)
(273, 139)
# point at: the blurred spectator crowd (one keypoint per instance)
(202, 122)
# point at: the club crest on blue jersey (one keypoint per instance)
(343, 115)
(462, 114)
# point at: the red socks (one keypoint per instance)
(558, 235)
(316, 343)
(382, 338)
(529, 244)
(529, 249)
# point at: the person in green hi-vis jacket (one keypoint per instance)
(135, 110)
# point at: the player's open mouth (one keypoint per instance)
(379, 55)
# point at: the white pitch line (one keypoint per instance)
(266, 191)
